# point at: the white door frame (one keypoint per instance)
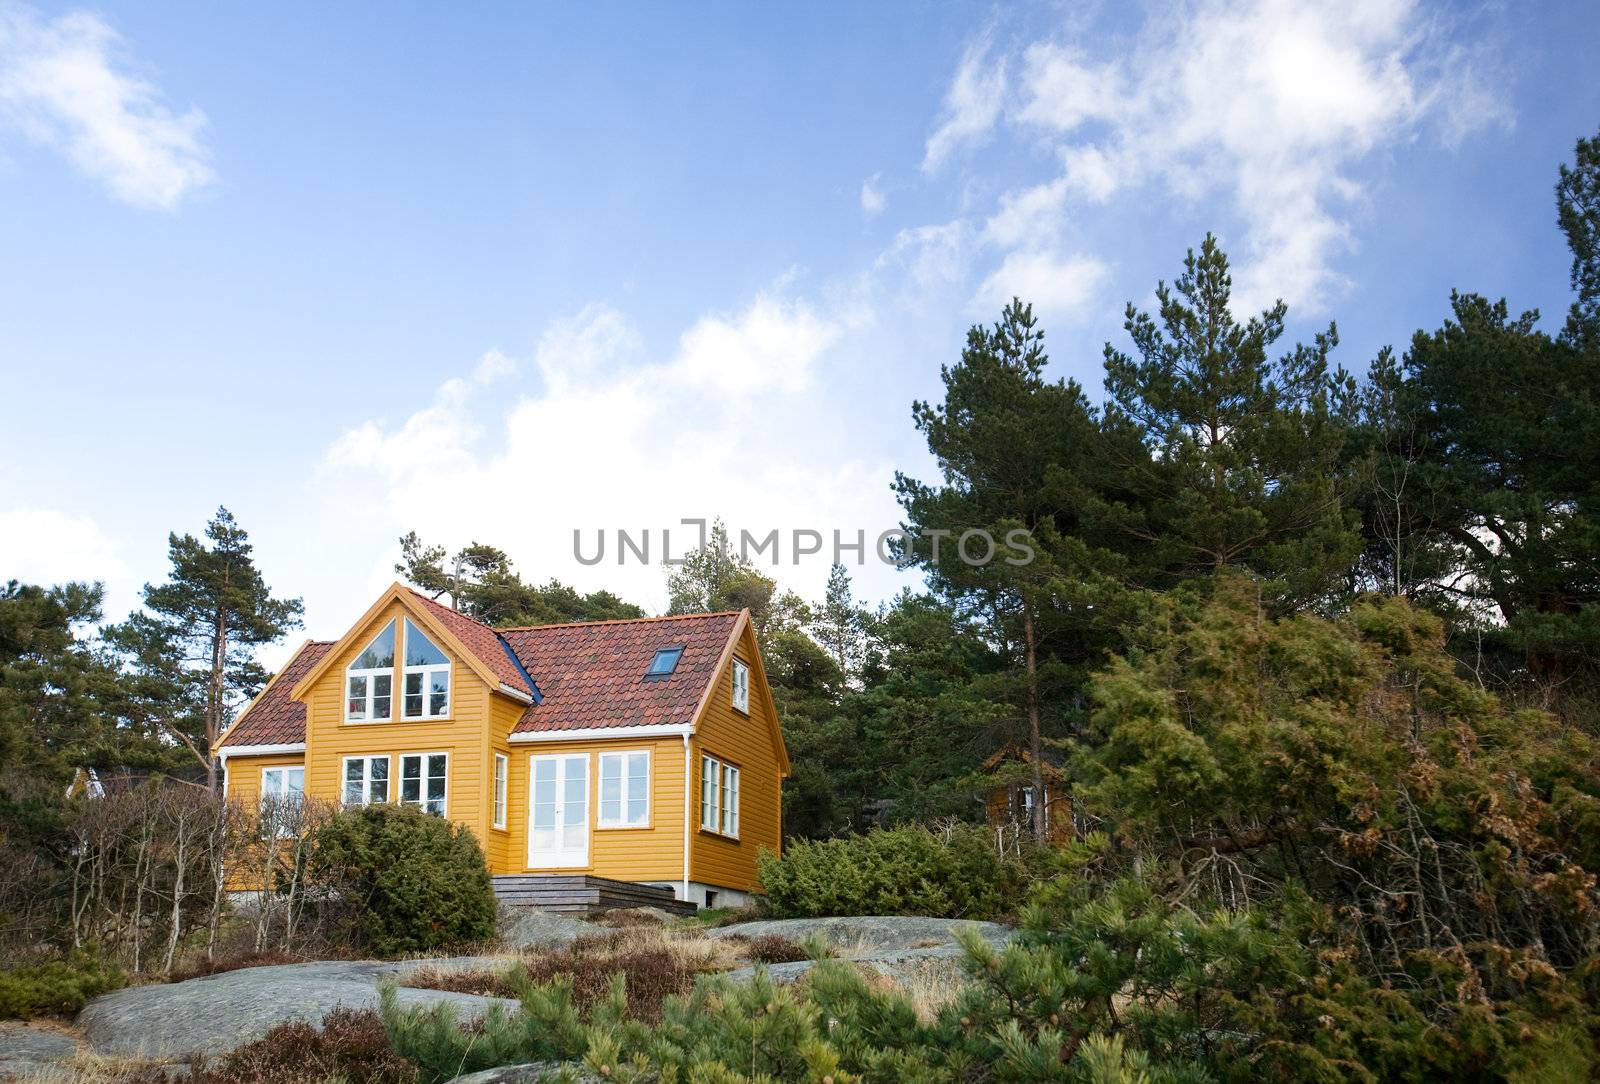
(568, 857)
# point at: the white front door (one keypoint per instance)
(558, 811)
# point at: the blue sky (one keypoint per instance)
(355, 270)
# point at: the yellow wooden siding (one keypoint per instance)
(654, 853)
(244, 775)
(498, 846)
(745, 741)
(329, 739)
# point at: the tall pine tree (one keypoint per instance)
(1241, 449)
(191, 651)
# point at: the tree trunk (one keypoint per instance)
(1035, 737)
(219, 659)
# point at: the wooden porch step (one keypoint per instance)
(581, 894)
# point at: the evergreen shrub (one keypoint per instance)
(56, 987)
(909, 870)
(410, 881)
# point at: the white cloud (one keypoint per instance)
(873, 201)
(1027, 216)
(725, 424)
(770, 347)
(1060, 287)
(1274, 104)
(64, 84)
(47, 546)
(972, 105)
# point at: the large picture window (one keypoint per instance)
(423, 778)
(625, 789)
(369, 679)
(366, 780)
(427, 677)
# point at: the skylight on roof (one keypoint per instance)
(665, 662)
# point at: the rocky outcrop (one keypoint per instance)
(218, 1013)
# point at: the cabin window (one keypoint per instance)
(422, 780)
(719, 796)
(710, 781)
(665, 662)
(502, 767)
(369, 680)
(741, 686)
(625, 789)
(282, 791)
(427, 677)
(730, 800)
(366, 780)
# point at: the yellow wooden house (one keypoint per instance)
(643, 751)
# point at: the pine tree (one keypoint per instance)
(191, 651)
(1242, 449)
(481, 582)
(1014, 450)
(838, 623)
(713, 578)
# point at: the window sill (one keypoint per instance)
(623, 827)
(403, 719)
(715, 834)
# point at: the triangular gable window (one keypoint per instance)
(369, 680)
(427, 677)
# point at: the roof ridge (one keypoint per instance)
(618, 621)
(452, 610)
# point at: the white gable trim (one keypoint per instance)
(259, 750)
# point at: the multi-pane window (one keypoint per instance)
(427, 677)
(369, 680)
(422, 780)
(741, 686)
(730, 800)
(502, 767)
(719, 796)
(625, 789)
(282, 791)
(366, 780)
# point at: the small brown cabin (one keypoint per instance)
(1009, 802)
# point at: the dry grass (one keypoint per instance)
(772, 948)
(656, 963)
(931, 987)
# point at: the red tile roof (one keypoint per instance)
(275, 718)
(478, 638)
(591, 674)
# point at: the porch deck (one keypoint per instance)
(582, 894)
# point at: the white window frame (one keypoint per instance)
(366, 780)
(741, 686)
(710, 792)
(622, 757)
(371, 674)
(730, 801)
(279, 792)
(426, 673)
(719, 796)
(422, 781)
(502, 787)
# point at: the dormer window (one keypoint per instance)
(369, 681)
(665, 662)
(427, 677)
